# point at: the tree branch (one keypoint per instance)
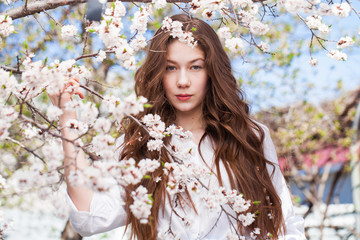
(41, 6)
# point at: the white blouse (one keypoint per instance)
(107, 209)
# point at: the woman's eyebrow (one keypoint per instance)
(191, 61)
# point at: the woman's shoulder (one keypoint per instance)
(265, 129)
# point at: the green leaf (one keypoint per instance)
(194, 29)
(147, 105)
(147, 177)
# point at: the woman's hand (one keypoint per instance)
(64, 96)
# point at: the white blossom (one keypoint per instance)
(313, 62)
(6, 27)
(53, 113)
(53, 152)
(235, 45)
(158, 4)
(3, 184)
(341, 9)
(77, 126)
(264, 46)
(141, 207)
(130, 63)
(4, 126)
(208, 14)
(29, 131)
(8, 114)
(324, 9)
(336, 54)
(102, 125)
(8, 83)
(224, 33)
(138, 43)
(255, 233)
(68, 32)
(76, 178)
(140, 20)
(345, 42)
(154, 144)
(246, 219)
(175, 28)
(101, 56)
(88, 113)
(258, 28)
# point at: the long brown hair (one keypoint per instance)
(238, 139)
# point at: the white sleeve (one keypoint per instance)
(294, 224)
(106, 213)
(107, 210)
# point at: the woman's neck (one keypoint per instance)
(193, 123)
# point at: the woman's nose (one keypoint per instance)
(183, 79)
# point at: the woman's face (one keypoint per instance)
(185, 78)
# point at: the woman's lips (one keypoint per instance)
(183, 97)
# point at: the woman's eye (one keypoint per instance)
(196, 67)
(170, 68)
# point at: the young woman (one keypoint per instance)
(193, 88)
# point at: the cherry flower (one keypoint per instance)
(102, 145)
(241, 3)
(88, 112)
(175, 27)
(324, 9)
(154, 144)
(119, 9)
(6, 27)
(138, 43)
(101, 56)
(140, 20)
(3, 184)
(224, 33)
(234, 236)
(214, 199)
(341, 9)
(95, 179)
(255, 233)
(8, 83)
(345, 42)
(158, 4)
(53, 113)
(154, 125)
(141, 207)
(77, 126)
(264, 46)
(314, 22)
(235, 45)
(9, 114)
(313, 62)
(76, 178)
(4, 126)
(29, 131)
(336, 54)
(258, 28)
(68, 32)
(53, 152)
(295, 6)
(246, 219)
(102, 125)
